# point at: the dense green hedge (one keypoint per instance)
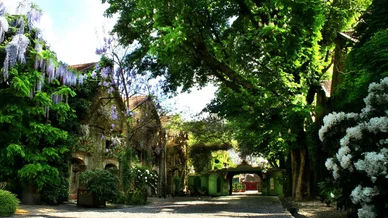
(8, 203)
(101, 182)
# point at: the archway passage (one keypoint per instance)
(77, 167)
(245, 169)
(112, 168)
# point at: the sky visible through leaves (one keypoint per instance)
(74, 29)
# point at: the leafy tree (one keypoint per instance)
(34, 109)
(208, 141)
(367, 62)
(268, 57)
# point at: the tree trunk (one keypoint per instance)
(294, 170)
(300, 174)
(288, 167)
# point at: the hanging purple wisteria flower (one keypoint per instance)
(105, 72)
(2, 9)
(20, 23)
(61, 71)
(94, 74)
(3, 22)
(110, 90)
(128, 113)
(100, 51)
(107, 46)
(106, 84)
(40, 82)
(80, 79)
(38, 49)
(23, 7)
(15, 51)
(113, 112)
(50, 69)
(33, 17)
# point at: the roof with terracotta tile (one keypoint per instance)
(326, 86)
(83, 67)
(134, 101)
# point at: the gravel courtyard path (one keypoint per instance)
(241, 205)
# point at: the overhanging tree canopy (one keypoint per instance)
(268, 56)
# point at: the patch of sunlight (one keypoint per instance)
(167, 210)
(21, 211)
(305, 213)
(232, 197)
(251, 214)
(46, 210)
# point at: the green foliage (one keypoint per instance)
(267, 56)
(136, 197)
(41, 174)
(366, 63)
(8, 203)
(341, 15)
(210, 130)
(237, 186)
(201, 155)
(220, 160)
(135, 180)
(126, 161)
(142, 177)
(55, 193)
(36, 134)
(372, 21)
(328, 191)
(100, 182)
(208, 140)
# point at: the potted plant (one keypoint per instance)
(97, 187)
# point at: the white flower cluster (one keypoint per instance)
(333, 119)
(104, 111)
(352, 133)
(366, 211)
(374, 164)
(331, 165)
(116, 140)
(377, 124)
(383, 142)
(362, 195)
(376, 96)
(144, 178)
(345, 158)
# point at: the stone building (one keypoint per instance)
(107, 131)
(102, 134)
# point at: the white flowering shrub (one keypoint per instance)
(360, 165)
(143, 177)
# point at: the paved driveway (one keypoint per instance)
(240, 205)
